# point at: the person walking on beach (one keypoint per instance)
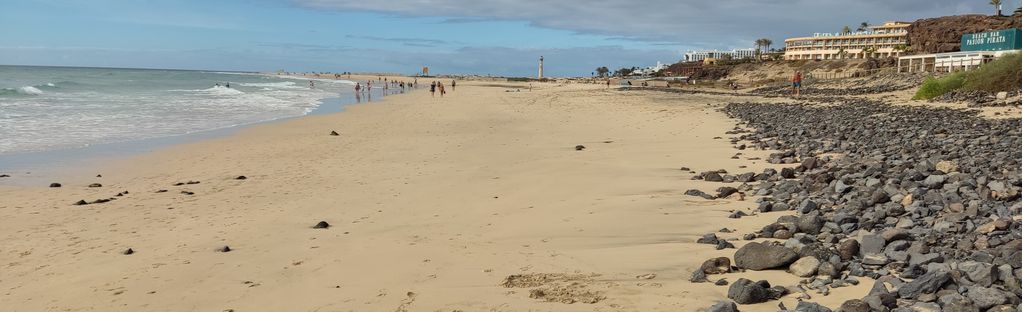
(441, 87)
(796, 84)
(312, 85)
(358, 88)
(432, 89)
(453, 85)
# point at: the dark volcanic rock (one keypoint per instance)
(806, 306)
(334, 133)
(55, 185)
(761, 256)
(926, 284)
(744, 291)
(579, 147)
(718, 265)
(95, 185)
(723, 306)
(128, 251)
(321, 225)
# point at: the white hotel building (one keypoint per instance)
(887, 40)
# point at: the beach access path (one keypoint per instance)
(477, 201)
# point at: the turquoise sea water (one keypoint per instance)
(57, 108)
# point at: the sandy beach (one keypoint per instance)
(433, 204)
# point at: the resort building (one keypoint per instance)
(651, 70)
(887, 40)
(736, 54)
(976, 49)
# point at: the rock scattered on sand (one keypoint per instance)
(95, 185)
(224, 249)
(99, 175)
(579, 147)
(81, 203)
(5, 176)
(723, 306)
(55, 185)
(241, 178)
(321, 225)
(188, 192)
(763, 256)
(334, 133)
(128, 251)
(161, 191)
(719, 265)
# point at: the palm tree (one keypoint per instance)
(847, 30)
(997, 5)
(767, 43)
(863, 27)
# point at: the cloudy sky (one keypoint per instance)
(498, 37)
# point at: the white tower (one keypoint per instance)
(541, 67)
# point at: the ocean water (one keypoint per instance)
(55, 108)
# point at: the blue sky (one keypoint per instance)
(498, 37)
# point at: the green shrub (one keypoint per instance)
(934, 87)
(1004, 74)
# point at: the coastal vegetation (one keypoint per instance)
(997, 6)
(1003, 74)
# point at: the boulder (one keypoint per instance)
(760, 256)
(744, 291)
(804, 267)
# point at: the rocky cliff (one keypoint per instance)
(944, 34)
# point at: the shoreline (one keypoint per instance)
(38, 166)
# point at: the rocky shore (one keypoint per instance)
(924, 202)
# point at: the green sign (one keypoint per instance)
(1000, 40)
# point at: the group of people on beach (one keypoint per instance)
(436, 86)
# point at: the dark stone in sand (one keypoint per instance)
(193, 182)
(713, 177)
(744, 291)
(101, 201)
(55, 185)
(128, 251)
(4, 176)
(321, 225)
(224, 249)
(726, 191)
(334, 133)
(760, 256)
(241, 178)
(161, 191)
(579, 147)
(723, 306)
(718, 265)
(806, 306)
(99, 175)
(698, 277)
(723, 244)
(710, 239)
(81, 203)
(95, 185)
(721, 282)
(187, 193)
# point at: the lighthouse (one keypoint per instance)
(541, 67)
